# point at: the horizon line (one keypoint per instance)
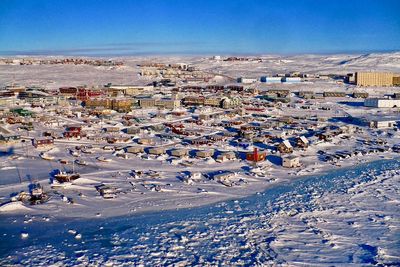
(85, 52)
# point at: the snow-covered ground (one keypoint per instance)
(346, 217)
(336, 216)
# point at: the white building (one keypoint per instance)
(290, 161)
(271, 79)
(246, 80)
(291, 79)
(383, 123)
(382, 102)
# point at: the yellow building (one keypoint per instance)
(374, 78)
(162, 103)
(396, 81)
(212, 102)
(108, 103)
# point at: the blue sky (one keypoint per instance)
(85, 27)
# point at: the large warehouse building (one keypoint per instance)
(374, 78)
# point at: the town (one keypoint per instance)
(185, 135)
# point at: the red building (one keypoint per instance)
(86, 93)
(68, 91)
(73, 131)
(256, 155)
(42, 142)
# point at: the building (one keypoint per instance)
(256, 155)
(112, 129)
(360, 95)
(22, 112)
(396, 80)
(134, 149)
(133, 130)
(224, 156)
(205, 153)
(147, 102)
(73, 131)
(374, 78)
(43, 142)
(290, 161)
(223, 176)
(302, 142)
(118, 104)
(179, 152)
(291, 79)
(382, 102)
(127, 90)
(266, 79)
(162, 103)
(68, 91)
(156, 151)
(285, 147)
(334, 94)
(246, 80)
(9, 138)
(382, 123)
(146, 141)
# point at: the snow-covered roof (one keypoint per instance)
(287, 143)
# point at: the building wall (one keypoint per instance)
(374, 78)
(396, 80)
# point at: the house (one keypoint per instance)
(325, 136)
(132, 130)
(106, 192)
(112, 129)
(285, 147)
(42, 142)
(224, 156)
(9, 138)
(224, 177)
(146, 141)
(290, 161)
(156, 151)
(22, 112)
(73, 131)
(134, 149)
(199, 141)
(216, 138)
(382, 123)
(118, 139)
(204, 153)
(256, 155)
(179, 152)
(302, 142)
